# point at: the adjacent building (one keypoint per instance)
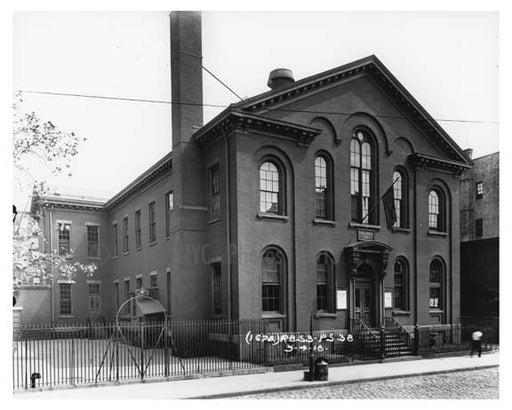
(479, 235)
(272, 210)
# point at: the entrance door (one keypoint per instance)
(363, 302)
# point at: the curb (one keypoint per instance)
(336, 383)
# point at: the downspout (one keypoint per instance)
(450, 281)
(50, 230)
(415, 247)
(228, 220)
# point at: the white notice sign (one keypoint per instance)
(341, 299)
(388, 300)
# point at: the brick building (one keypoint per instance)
(479, 235)
(272, 209)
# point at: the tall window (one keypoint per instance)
(271, 290)
(64, 238)
(115, 240)
(94, 298)
(138, 285)
(216, 288)
(436, 276)
(138, 230)
(214, 192)
(93, 241)
(436, 210)
(152, 222)
(125, 234)
(400, 196)
(324, 283)
(116, 294)
(270, 189)
(169, 206)
(323, 188)
(127, 296)
(361, 178)
(479, 227)
(153, 280)
(66, 303)
(401, 280)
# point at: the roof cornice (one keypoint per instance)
(230, 120)
(162, 167)
(422, 161)
(52, 201)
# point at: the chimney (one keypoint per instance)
(186, 74)
(280, 77)
(469, 152)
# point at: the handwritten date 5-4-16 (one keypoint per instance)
(284, 338)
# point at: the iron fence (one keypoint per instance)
(49, 355)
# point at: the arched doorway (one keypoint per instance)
(367, 263)
(364, 295)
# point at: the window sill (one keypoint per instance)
(153, 243)
(263, 215)
(401, 313)
(318, 221)
(212, 221)
(138, 249)
(325, 315)
(436, 312)
(271, 315)
(400, 229)
(115, 257)
(94, 258)
(126, 253)
(66, 316)
(437, 233)
(365, 226)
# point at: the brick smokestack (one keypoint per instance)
(186, 74)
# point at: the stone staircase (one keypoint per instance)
(397, 341)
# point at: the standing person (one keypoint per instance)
(476, 336)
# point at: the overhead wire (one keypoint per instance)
(141, 100)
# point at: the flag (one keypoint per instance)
(389, 206)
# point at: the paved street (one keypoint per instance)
(474, 384)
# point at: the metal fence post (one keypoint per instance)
(141, 326)
(116, 335)
(416, 346)
(382, 342)
(72, 360)
(166, 349)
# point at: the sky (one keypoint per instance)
(447, 60)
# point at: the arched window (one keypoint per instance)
(271, 189)
(361, 178)
(325, 283)
(436, 210)
(401, 278)
(400, 197)
(273, 266)
(436, 277)
(323, 188)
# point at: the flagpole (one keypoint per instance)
(380, 199)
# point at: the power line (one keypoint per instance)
(102, 97)
(220, 81)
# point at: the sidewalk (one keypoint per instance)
(218, 387)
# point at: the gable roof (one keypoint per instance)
(372, 67)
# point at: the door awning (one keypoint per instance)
(149, 307)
